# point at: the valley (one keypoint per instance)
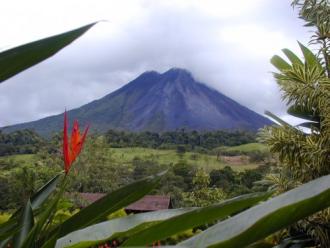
(116, 159)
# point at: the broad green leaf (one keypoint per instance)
(45, 216)
(266, 218)
(11, 226)
(108, 230)
(292, 57)
(27, 223)
(108, 204)
(44, 192)
(195, 218)
(310, 58)
(280, 63)
(16, 60)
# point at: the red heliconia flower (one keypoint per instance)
(72, 147)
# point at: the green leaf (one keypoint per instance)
(10, 227)
(45, 216)
(195, 218)
(27, 223)
(108, 230)
(41, 195)
(16, 60)
(10, 231)
(280, 63)
(4, 242)
(309, 56)
(44, 192)
(292, 57)
(266, 218)
(109, 204)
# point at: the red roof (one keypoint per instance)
(150, 203)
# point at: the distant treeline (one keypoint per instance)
(20, 142)
(27, 141)
(191, 139)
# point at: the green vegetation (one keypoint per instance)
(191, 140)
(18, 160)
(304, 154)
(297, 218)
(247, 148)
(167, 157)
(20, 142)
(99, 162)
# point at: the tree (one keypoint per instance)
(180, 150)
(306, 89)
(223, 178)
(202, 194)
(186, 171)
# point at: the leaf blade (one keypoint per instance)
(10, 227)
(104, 231)
(194, 218)
(280, 63)
(276, 118)
(27, 223)
(18, 59)
(44, 192)
(310, 58)
(292, 57)
(108, 204)
(266, 218)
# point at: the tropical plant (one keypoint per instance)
(304, 150)
(306, 88)
(33, 225)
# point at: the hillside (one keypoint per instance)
(158, 102)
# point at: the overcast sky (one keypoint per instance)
(225, 44)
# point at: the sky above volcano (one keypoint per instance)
(224, 44)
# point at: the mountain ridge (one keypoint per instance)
(157, 102)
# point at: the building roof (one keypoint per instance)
(150, 203)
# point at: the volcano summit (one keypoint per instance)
(157, 102)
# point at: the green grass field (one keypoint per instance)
(208, 162)
(251, 147)
(21, 158)
(166, 157)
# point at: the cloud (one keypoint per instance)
(224, 44)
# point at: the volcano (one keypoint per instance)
(157, 102)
